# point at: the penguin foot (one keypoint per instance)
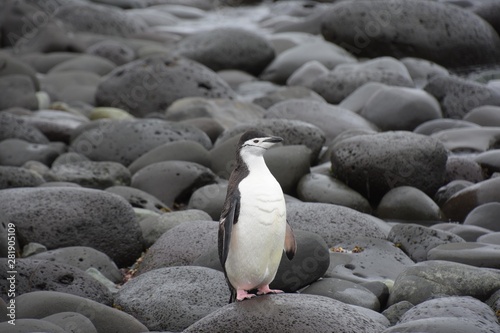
(242, 295)
(266, 290)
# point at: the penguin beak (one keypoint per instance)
(273, 139)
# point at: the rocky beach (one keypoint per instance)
(119, 121)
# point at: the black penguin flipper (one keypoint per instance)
(290, 243)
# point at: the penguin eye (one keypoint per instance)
(256, 141)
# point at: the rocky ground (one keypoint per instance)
(118, 126)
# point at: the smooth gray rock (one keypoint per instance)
(40, 304)
(181, 245)
(429, 279)
(98, 175)
(422, 70)
(486, 115)
(34, 274)
(437, 125)
(10, 64)
(489, 160)
(210, 199)
(272, 313)
(125, 141)
(417, 240)
(228, 48)
(16, 152)
(447, 191)
(485, 216)
(139, 199)
(195, 292)
(468, 140)
(75, 85)
(32, 249)
(394, 312)
(85, 62)
(463, 168)
(83, 258)
(67, 216)
(374, 164)
(357, 100)
(442, 325)
(334, 223)
(71, 322)
(470, 233)
(68, 158)
(17, 90)
(31, 325)
(285, 93)
(165, 79)
(305, 75)
(19, 177)
(56, 125)
(470, 253)
(117, 52)
(491, 238)
(15, 127)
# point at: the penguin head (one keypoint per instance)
(256, 143)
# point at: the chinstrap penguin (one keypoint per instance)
(253, 230)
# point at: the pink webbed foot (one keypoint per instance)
(265, 290)
(242, 295)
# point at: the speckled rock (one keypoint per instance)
(228, 48)
(432, 31)
(344, 79)
(40, 304)
(164, 80)
(115, 51)
(463, 202)
(53, 216)
(470, 253)
(470, 233)
(210, 199)
(485, 216)
(330, 119)
(408, 203)
(125, 141)
(458, 96)
(272, 313)
(18, 177)
(334, 223)
(374, 164)
(99, 175)
(17, 90)
(182, 177)
(149, 297)
(34, 275)
(345, 291)
(83, 257)
(315, 187)
(396, 311)
(181, 245)
(460, 167)
(71, 321)
(14, 127)
(417, 240)
(16, 152)
(424, 280)
(437, 125)
(327, 54)
(139, 199)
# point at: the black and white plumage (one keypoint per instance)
(253, 230)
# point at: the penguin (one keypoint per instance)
(253, 230)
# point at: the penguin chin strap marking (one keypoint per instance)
(254, 146)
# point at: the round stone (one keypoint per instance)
(98, 175)
(19, 177)
(487, 115)
(463, 168)
(472, 253)
(485, 216)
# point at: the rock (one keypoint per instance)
(344, 79)
(153, 227)
(408, 203)
(470, 253)
(489, 160)
(181, 245)
(272, 313)
(396, 311)
(463, 202)
(305, 75)
(125, 141)
(458, 96)
(56, 125)
(485, 215)
(286, 93)
(330, 119)
(14, 127)
(490, 238)
(334, 223)
(432, 31)
(345, 291)
(32, 249)
(417, 240)
(115, 51)
(422, 71)
(400, 108)
(463, 168)
(282, 41)
(357, 100)
(16, 152)
(437, 125)
(109, 113)
(18, 177)
(486, 115)
(82, 257)
(76, 85)
(67, 216)
(182, 177)
(139, 199)
(210, 126)
(235, 77)
(17, 90)
(225, 111)
(494, 301)
(31, 325)
(425, 280)
(374, 164)
(33, 275)
(98, 175)
(470, 233)
(72, 321)
(68, 158)
(210, 199)
(447, 191)
(43, 62)
(315, 187)
(467, 140)
(86, 63)
(374, 260)
(40, 304)
(195, 291)
(164, 80)
(287, 62)
(10, 66)
(228, 48)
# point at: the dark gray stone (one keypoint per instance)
(288, 313)
(470, 233)
(463, 168)
(210, 199)
(34, 274)
(228, 48)
(71, 322)
(14, 127)
(434, 31)
(447, 191)
(396, 311)
(485, 216)
(16, 152)
(40, 304)
(125, 141)
(98, 175)
(83, 257)
(117, 52)
(17, 90)
(151, 84)
(67, 216)
(195, 291)
(429, 279)
(442, 325)
(470, 253)
(18, 177)
(374, 164)
(417, 240)
(31, 325)
(139, 199)
(68, 158)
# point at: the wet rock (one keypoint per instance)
(16, 152)
(18, 177)
(14, 127)
(139, 199)
(471, 253)
(487, 115)
(17, 90)
(115, 51)
(463, 168)
(98, 175)
(210, 199)
(485, 216)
